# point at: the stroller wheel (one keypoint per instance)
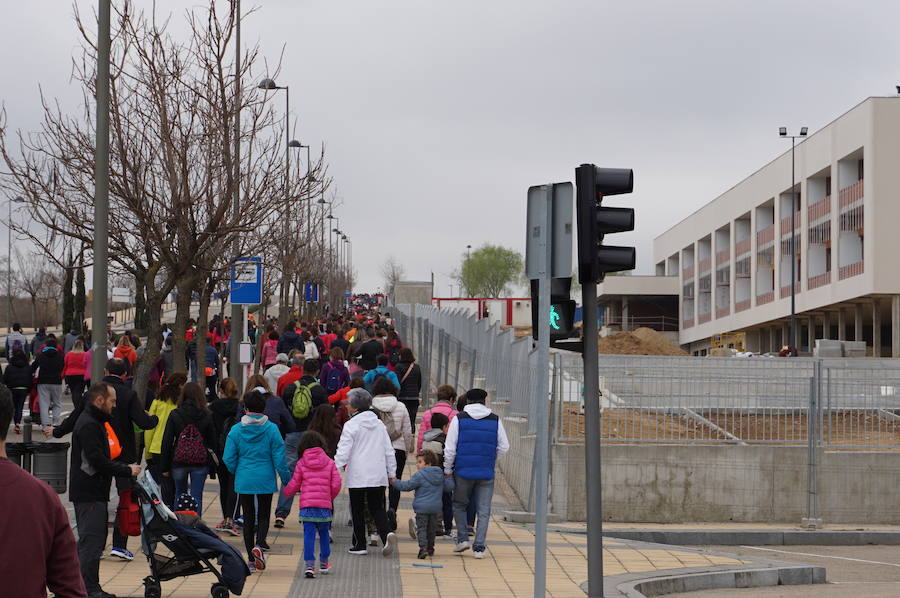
(219, 591)
(152, 591)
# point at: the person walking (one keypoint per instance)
(93, 463)
(396, 420)
(366, 455)
(17, 378)
(370, 350)
(324, 423)
(334, 374)
(37, 341)
(275, 409)
(32, 510)
(188, 439)
(226, 411)
(49, 367)
(317, 479)
(269, 352)
(74, 370)
(16, 341)
(409, 374)
(475, 439)
(381, 371)
(446, 399)
(124, 350)
(128, 413)
(162, 407)
(254, 453)
(392, 346)
(290, 340)
(276, 371)
(429, 484)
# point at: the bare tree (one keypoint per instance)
(392, 272)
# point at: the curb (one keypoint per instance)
(718, 579)
(758, 537)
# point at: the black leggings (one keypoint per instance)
(393, 494)
(76, 387)
(256, 520)
(360, 498)
(227, 497)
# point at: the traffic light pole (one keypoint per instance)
(592, 439)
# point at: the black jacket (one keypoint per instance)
(319, 397)
(91, 470)
(178, 420)
(51, 363)
(221, 410)
(343, 344)
(369, 352)
(17, 374)
(411, 387)
(128, 412)
(290, 340)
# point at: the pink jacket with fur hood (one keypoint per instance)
(317, 479)
(439, 407)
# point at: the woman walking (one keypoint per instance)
(396, 420)
(187, 441)
(410, 375)
(162, 407)
(17, 378)
(225, 411)
(73, 372)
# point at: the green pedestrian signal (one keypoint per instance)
(554, 318)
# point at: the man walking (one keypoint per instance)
(128, 413)
(95, 445)
(49, 364)
(474, 441)
(16, 341)
(370, 350)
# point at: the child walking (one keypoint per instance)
(317, 479)
(429, 483)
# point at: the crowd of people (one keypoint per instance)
(334, 404)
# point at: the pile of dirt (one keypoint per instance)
(643, 341)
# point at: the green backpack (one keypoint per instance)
(301, 404)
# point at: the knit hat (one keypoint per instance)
(360, 399)
(281, 358)
(186, 502)
(476, 395)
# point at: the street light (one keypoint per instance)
(782, 132)
(9, 204)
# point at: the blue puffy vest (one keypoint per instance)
(476, 446)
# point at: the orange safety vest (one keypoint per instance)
(115, 448)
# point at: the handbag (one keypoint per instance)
(128, 516)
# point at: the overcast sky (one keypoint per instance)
(438, 116)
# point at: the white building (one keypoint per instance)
(732, 256)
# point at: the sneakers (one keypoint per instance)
(17, 429)
(125, 555)
(423, 553)
(239, 522)
(373, 539)
(310, 572)
(252, 567)
(430, 550)
(478, 554)
(356, 550)
(412, 528)
(259, 559)
(265, 546)
(279, 522)
(325, 568)
(233, 530)
(389, 544)
(462, 546)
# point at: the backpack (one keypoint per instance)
(388, 420)
(227, 424)
(16, 346)
(189, 448)
(301, 403)
(334, 382)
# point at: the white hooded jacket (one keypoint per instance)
(390, 404)
(366, 452)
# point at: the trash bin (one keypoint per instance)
(15, 451)
(50, 463)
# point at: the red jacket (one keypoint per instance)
(317, 479)
(293, 374)
(74, 365)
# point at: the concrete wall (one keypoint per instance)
(416, 292)
(681, 483)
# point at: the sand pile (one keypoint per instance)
(643, 341)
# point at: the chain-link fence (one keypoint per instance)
(822, 404)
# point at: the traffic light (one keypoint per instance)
(594, 258)
(561, 317)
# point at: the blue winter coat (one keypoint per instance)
(429, 484)
(254, 453)
(369, 379)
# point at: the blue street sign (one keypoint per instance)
(311, 292)
(246, 281)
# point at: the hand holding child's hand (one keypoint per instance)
(392, 480)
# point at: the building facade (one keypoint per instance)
(733, 256)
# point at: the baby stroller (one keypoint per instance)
(160, 525)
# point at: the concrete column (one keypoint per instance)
(625, 324)
(858, 322)
(811, 333)
(826, 325)
(876, 328)
(785, 334)
(842, 324)
(895, 326)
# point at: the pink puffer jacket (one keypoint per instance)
(269, 353)
(439, 407)
(316, 478)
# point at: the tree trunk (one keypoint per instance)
(151, 352)
(185, 286)
(200, 336)
(34, 312)
(140, 303)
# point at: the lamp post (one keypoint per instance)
(782, 132)
(237, 313)
(9, 302)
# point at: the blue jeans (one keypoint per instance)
(310, 528)
(483, 493)
(291, 442)
(198, 475)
